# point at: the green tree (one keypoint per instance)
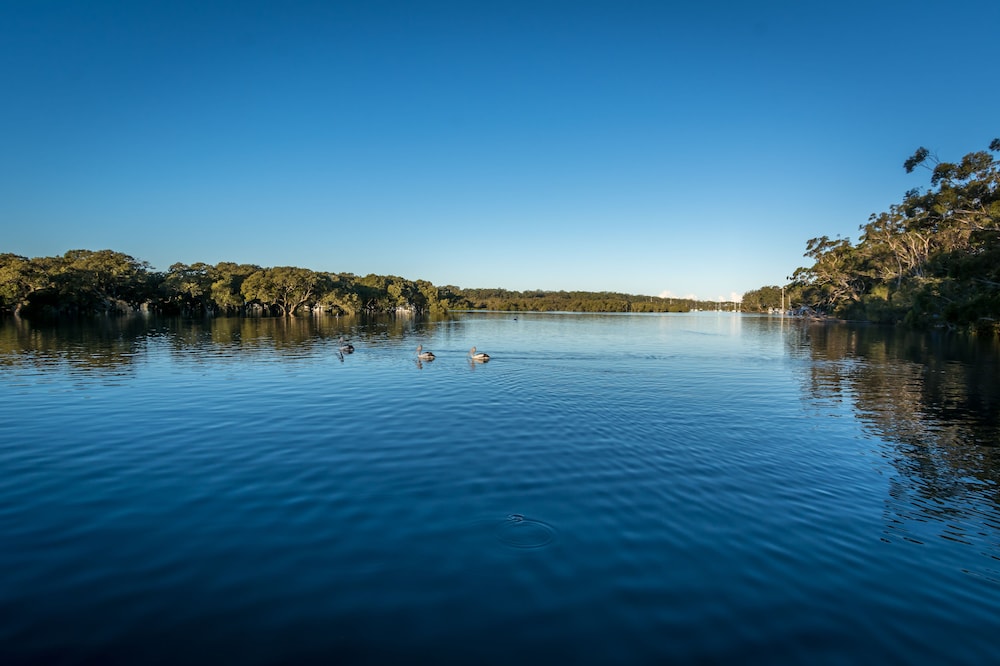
(101, 281)
(20, 277)
(764, 299)
(189, 287)
(933, 258)
(834, 278)
(227, 285)
(285, 287)
(373, 293)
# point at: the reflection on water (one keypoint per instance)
(704, 488)
(911, 385)
(114, 343)
(934, 399)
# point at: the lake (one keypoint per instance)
(703, 487)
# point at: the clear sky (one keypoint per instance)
(643, 147)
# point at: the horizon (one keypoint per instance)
(641, 149)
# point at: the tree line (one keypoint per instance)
(106, 282)
(931, 259)
(573, 301)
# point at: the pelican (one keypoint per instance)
(482, 357)
(346, 346)
(424, 355)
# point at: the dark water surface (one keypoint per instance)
(607, 489)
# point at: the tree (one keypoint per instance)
(20, 277)
(835, 277)
(101, 281)
(227, 285)
(763, 299)
(189, 287)
(934, 257)
(285, 287)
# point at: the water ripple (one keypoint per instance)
(643, 489)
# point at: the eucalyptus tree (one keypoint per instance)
(338, 294)
(836, 278)
(933, 257)
(434, 299)
(961, 211)
(401, 294)
(189, 288)
(896, 250)
(764, 299)
(20, 277)
(373, 293)
(101, 281)
(958, 281)
(340, 302)
(227, 285)
(286, 288)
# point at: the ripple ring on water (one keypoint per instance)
(518, 531)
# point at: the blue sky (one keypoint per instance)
(641, 147)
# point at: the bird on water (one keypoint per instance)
(345, 346)
(482, 357)
(424, 355)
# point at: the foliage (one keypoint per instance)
(79, 281)
(765, 299)
(932, 259)
(82, 282)
(574, 301)
(20, 277)
(286, 288)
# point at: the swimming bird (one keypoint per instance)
(346, 346)
(424, 355)
(482, 357)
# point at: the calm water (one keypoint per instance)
(607, 489)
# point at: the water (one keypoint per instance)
(607, 489)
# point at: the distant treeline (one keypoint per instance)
(105, 281)
(573, 301)
(932, 259)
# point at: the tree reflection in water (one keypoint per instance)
(112, 345)
(934, 399)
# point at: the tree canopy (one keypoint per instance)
(84, 281)
(931, 259)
